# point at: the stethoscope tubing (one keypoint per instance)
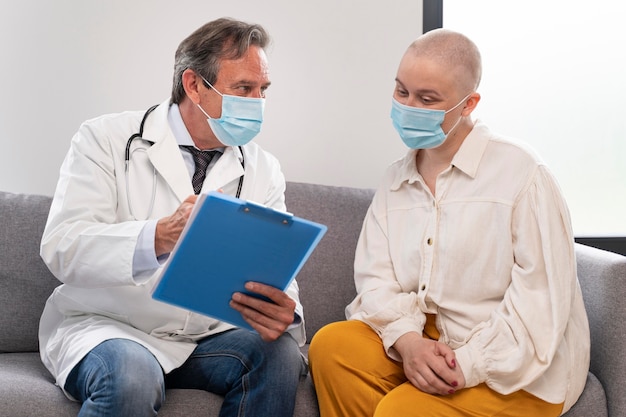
(127, 158)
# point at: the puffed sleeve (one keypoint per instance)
(520, 340)
(381, 302)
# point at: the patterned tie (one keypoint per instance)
(202, 159)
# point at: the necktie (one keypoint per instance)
(202, 159)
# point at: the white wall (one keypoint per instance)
(332, 64)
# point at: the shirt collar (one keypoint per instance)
(467, 158)
(183, 138)
(407, 171)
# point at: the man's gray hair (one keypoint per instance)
(204, 49)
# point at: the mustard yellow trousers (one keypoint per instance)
(354, 377)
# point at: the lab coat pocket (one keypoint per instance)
(73, 306)
(195, 327)
(198, 325)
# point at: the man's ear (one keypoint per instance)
(191, 84)
(470, 104)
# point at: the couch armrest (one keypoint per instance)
(602, 277)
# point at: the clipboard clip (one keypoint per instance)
(267, 213)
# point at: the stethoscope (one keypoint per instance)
(127, 157)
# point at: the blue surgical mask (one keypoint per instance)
(420, 128)
(240, 121)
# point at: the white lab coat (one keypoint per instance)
(90, 238)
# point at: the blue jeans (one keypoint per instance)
(121, 378)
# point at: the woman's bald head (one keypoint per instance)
(453, 51)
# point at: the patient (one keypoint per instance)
(468, 303)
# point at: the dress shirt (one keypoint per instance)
(492, 255)
(145, 259)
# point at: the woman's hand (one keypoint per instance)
(429, 365)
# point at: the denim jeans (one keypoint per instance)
(121, 378)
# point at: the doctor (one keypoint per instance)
(117, 214)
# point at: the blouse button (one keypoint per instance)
(430, 241)
(423, 287)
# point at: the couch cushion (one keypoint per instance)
(592, 402)
(27, 389)
(602, 277)
(326, 280)
(25, 282)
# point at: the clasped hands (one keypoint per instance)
(269, 319)
(429, 365)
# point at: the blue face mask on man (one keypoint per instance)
(240, 121)
(420, 128)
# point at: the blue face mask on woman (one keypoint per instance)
(240, 121)
(420, 128)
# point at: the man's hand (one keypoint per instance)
(168, 229)
(270, 320)
(429, 365)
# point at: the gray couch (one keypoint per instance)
(27, 389)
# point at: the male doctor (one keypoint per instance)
(111, 226)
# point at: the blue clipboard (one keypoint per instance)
(228, 242)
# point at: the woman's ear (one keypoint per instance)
(470, 104)
(191, 84)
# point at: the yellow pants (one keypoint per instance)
(354, 377)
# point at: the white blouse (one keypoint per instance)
(492, 255)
